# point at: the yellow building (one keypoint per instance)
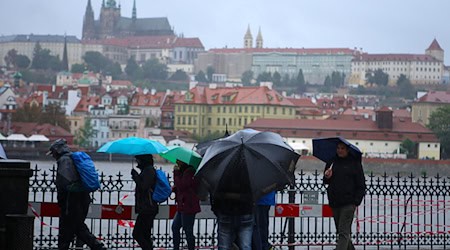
(204, 110)
(427, 104)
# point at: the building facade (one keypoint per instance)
(423, 69)
(204, 111)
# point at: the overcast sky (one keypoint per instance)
(376, 26)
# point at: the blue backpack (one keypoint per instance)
(86, 169)
(162, 189)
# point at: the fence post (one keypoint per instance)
(16, 228)
(291, 224)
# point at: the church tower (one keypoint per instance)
(109, 16)
(88, 23)
(248, 39)
(435, 51)
(259, 39)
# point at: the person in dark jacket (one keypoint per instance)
(346, 190)
(260, 237)
(188, 204)
(145, 207)
(72, 200)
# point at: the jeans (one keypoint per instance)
(232, 227)
(185, 221)
(142, 231)
(343, 218)
(260, 238)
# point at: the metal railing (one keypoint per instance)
(398, 212)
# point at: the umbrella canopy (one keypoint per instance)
(185, 155)
(133, 146)
(325, 148)
(268, 161)
(203, 146)
(2, 153)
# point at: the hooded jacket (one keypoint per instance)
(185, 186)
(145, 182)
(347, 185)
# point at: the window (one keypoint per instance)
(218, 121)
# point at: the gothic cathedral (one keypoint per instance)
(111, 24)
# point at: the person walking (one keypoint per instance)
(260, 237)
(72, 200)
(233, 205)
(145, 208)
(188, 204)
(346, 190)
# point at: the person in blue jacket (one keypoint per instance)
(260, 238)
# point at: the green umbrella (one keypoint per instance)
(183, 154)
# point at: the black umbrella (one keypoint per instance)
(325, 148)
(203, 146)
(269, 162)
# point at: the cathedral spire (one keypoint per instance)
(65, 60)
(259, 39)
(88, 22)
(134, 11)
(248, 38)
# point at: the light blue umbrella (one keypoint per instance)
(133, 146)
(2, 153)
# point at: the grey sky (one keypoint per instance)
(377, 26)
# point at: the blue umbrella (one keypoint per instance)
(2, 153)
(133, 146)
(325, 148)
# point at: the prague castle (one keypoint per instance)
(111, 24)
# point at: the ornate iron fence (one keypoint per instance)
(397, 212)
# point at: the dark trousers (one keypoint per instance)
(260, 238)
(142, 232)
(343, 218)
(185, 221)
(74, 210)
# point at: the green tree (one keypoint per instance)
(84, 135)
(264, 77)
(201, 77)
(78, 68)
(10, 58)
(300, 78)
(408, 147)
(22, 61)
(131, 67)
(54, 115)
(285, 80)
(27, 113)
(113, 69)
(378, 77)
(327, 81)
(209, 73)
(439, 123)
(179, 75)
(276, 77)
(154, 70)
(95, 61)
(247, 78)
(55, 63)
(41, 58)
(405, 88)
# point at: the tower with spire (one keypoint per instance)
(435, 51)
(259, 39)
(88, 23)
(248, 38)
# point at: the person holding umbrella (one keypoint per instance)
(346, 189)
(145, 207)
(188, 204)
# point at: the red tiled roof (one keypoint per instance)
(121, 83)
(284, 50)
(147, 100)
(188, 42)
(350, 129)
(394, 57)
(435, 45)
(435, 97)
(31, 128)
(236, 95)
(85, 102)
(302, 102)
